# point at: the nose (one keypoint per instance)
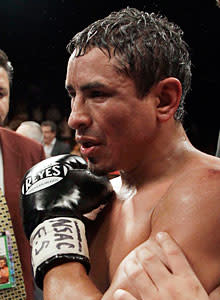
(80, 117)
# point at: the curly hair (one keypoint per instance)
(147, 47)
(6, 64)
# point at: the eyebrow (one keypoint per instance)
(88, 86)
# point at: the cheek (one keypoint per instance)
(115, 128)
(120, 137)
(134, 133)
(4, 108)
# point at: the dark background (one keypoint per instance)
(34, 34)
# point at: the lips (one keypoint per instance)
(88, 149)
(88, 145)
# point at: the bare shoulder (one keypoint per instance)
(189, 211)
(204, 165)
(196, 183)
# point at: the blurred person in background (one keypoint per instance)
(52, 145)
(32, 130)
(17, 155)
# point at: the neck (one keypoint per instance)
(161, 159)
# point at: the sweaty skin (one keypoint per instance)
(167, 184)
(150, 278)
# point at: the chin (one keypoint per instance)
(97, 168)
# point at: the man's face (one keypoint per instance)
(112, 125)
(4, 94)
(48, 134)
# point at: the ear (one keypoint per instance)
(169, 92)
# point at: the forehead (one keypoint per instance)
(93, 55)
(94, 65)
(46, 128)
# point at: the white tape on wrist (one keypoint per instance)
(58, 236)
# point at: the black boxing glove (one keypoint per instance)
(58, 195)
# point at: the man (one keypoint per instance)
(52, 146)
(32, 130)
(17, 155)
(127, 77)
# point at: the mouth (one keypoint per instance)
(88, 147)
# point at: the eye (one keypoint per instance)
(97, 94)
(4, 92)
